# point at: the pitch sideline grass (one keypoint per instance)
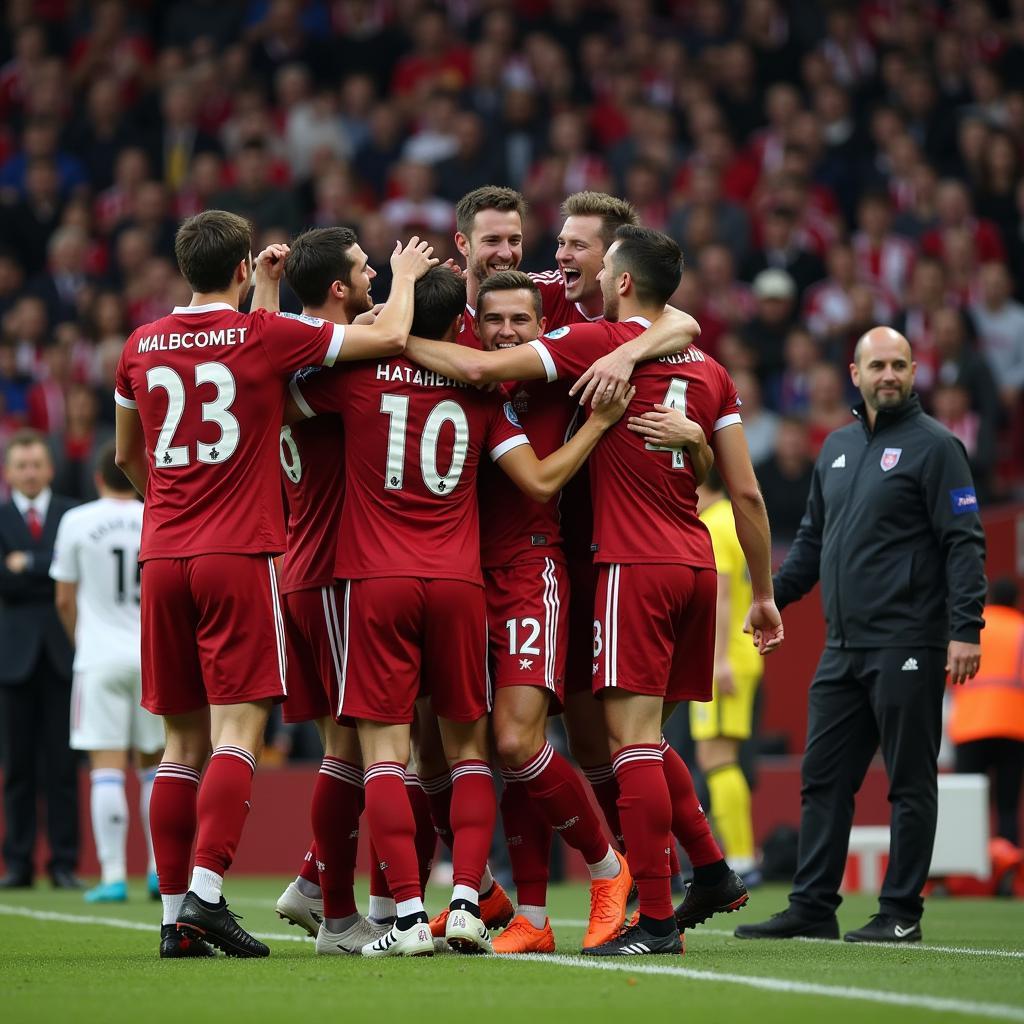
(51, 969)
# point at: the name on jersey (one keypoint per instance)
(113, 526)
(192, 339)
(393, 372)
(690, 355)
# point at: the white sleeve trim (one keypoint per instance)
(545, 357)
(506, 446)
(334, 349)
(125, 403)
(304, 407)
(726, 421)
(61, 576)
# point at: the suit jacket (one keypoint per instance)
(28, 617)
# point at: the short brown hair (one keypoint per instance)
(439, 296)
(510, 281)
(614, 212)
(25, 438)
(209, 246)
(108, 471)
(487, 197)
(317, 259)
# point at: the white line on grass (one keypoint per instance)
(1009, 954)
(939, 1004)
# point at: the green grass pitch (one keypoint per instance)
(64, 960)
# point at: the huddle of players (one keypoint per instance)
(382, 576)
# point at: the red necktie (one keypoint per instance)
(35, 524)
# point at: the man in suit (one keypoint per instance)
(35, 672)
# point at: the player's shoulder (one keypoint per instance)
(571, 333)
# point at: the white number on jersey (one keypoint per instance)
(396, 408)
(675, 398)
(217, 410)
(529, 644)
(290, 461)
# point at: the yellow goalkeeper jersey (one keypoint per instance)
(729, 561)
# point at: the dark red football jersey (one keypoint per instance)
(645, 500)
(513, 526)
(209, 384)
(413, 445)
(467, 335)
(313, 463)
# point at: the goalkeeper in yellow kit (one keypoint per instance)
(720, 726)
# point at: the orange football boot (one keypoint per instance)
(521, 937)
(496, 911)
(608, 898)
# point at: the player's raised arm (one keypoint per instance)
(671, 428)
(609, 376)
(266, 276)
(387, 335)
(732, 458)
(542, 479)
(471, 366)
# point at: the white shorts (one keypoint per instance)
(106, 713)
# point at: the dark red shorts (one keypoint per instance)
(405, 637)
(212, 632)
(654, 630)
(312, 620)
(528, 625)
(579, 656)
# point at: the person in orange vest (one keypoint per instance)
(987, 722)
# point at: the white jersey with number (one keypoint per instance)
(97, 547)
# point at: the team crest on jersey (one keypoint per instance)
(510, 414)
(313, 321)
(521, 402)
(889, 458)
(558, 332)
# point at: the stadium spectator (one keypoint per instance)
(776, 295)
(75, 449)
(255, 195)
(785, 478)
(998, 321)
(760, 425)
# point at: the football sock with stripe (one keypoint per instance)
(426, 837)
(308, 879)
(606, 791)
(558, 794)
(223, 806)
(645, 810)
(474, 811)
(528, 837)
(172, 822)
(689, 823)
(108, 807)
(439, 794)
(730, 810)
(337, 804)
(393, 829)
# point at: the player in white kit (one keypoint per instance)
(96, 566)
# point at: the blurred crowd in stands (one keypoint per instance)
(826, 166)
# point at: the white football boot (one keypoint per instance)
(414, 941)
(466, 933)
(302, 911)
(350, 941)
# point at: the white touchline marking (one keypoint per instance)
(117, 922)
(940, 1004)
(913, 947)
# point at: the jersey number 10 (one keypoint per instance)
(396, 407)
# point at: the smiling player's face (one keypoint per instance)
(507, 319)
(495, 243)
(579, 254)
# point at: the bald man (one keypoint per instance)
(892, 532)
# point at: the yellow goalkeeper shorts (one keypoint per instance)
(728, 717)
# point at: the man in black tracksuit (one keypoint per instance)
(892, 532)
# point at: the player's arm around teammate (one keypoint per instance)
(670, 428)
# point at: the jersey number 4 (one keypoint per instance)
(675, 398)
(169, 456)
(396, 407)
